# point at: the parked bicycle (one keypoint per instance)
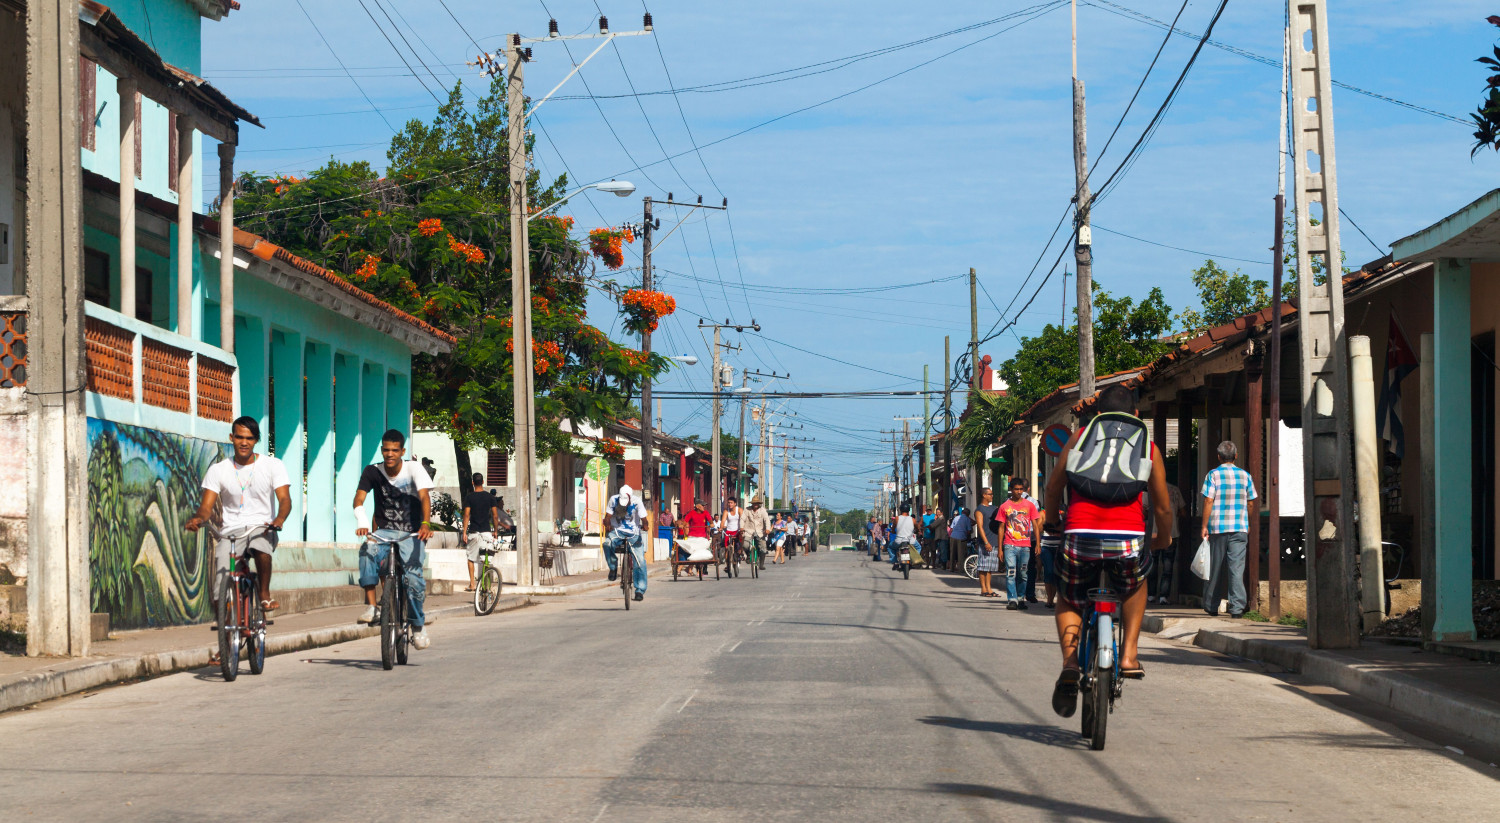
(1099, 660)
(241, 620)
(971, 562)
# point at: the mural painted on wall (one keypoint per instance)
(144, 568)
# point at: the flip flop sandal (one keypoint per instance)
(1136, 673)
(269, 605)
(469, 589)
(1065, 693)
(213, 657)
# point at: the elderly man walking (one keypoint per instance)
(1230, 496)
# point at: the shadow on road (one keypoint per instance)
(367, 665)
(1071, 811)
(1035, 732)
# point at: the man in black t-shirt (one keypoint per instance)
(403, 506)
(479, 519)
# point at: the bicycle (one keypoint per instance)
(395, 631)
(971, 562)
(241, 620)
(627, 570)
(488, 583)
(755, 555)
(1099, 659)
(728, 553)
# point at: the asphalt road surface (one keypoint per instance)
(829, 689)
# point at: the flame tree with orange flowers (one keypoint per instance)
(432, 237)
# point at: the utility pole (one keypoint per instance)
(648, 451)
(1082, 247)
(926, 441)
(1273, 435)
(718, 380)
(786, 453)
(972, 496)
(765, 464)
(1332, 619)
(523, 395)
(744, 400)
(947, 428)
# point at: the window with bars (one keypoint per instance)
(497, 468)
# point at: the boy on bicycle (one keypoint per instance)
(625, 513)
(238, 491)
(403, 507)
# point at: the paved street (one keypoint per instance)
(828, 689)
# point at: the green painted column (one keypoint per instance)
(372, 411)
(321, 492)
(348, 454)
(398, 402)
(1452, 575)
(286, 375)
(251, 349)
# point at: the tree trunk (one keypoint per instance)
(465, 473)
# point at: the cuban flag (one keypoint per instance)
(1400, 361)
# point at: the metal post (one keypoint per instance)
(1082, 247)
(1366, 482)
(523, 396)
(1332, 620)
(1255, 463)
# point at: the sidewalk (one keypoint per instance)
(1450, 692)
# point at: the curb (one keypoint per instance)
(1450, 711)
(50, 685)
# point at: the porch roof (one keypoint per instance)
(1471, 233)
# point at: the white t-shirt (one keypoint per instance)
(906, 529)
(247, 494)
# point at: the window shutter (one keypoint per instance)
(171, 150)
(88, 108)
(497, 469)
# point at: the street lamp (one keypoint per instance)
(619, 188)
(686, 359)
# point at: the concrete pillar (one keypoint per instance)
(348, 454)
(398, 405)
(372, 411)
(126, 86)
(226, 247)
(286, 373)
(321, 448)
(185, 252)
(1366, 481)
(1451, 576)
(57, 585)
(252, 348)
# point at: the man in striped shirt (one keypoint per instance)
(1230, 503)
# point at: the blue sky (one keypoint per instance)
(964, 161)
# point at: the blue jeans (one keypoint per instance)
(1017, 559)
(373, 555)
(637, 547)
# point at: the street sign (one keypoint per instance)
(1054, 438)
(597, 470)
(890, 487)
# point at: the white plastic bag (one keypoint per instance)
(1200, 561)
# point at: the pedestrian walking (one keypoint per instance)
(1230, 494)
(1020, 516)
(478, 532)
(1164, 562)
(877, 538)
(958, 537)
(989, 542)
(938, 544)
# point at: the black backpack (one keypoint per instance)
(1111, 462)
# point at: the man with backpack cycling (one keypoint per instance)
(626, 513)
(1106, 467)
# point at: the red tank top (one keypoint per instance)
(1085, 516)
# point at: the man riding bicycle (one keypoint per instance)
(1099, 535)
(625, 514)
(403, 507)
(238, 491)
(756, 527)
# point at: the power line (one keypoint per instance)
(397, 29)
(1179, 248)
(335, 54)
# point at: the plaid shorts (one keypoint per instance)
(1082, 557)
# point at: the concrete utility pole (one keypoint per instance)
(648, 452)
(1273, 430)
(1082, 247)
(718, 384)
(786, 473)
(744, 400)
(522, 392)
(971, 497)
(926, 440)
(57, 587)
(1332, 619)
(765, 463)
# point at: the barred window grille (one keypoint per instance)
(12, 350)
(497, 469)
(165, 377)
(215, 390)
(110, 359)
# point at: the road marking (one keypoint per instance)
(684, 704)
(735, 646)
(601, 813)
(777, 607)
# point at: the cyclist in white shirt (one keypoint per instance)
(238, 493)
(625, 519)
(906, 532)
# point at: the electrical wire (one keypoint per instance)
(335, 54)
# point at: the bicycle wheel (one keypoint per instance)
(627, 577)
(229, 634)
(1099, 702)
(487, 593)
(754, 556)
(255, 640)
(403, 628)
(388, 618)
(971, 566)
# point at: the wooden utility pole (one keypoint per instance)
(1082, 246)
(523, 395)
(926, 441)
(648, 452)
(1273, 429)
(971, 499)
(714, 496)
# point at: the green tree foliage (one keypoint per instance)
(1127, 334)
(1487, 116)
(431, 237)
(729, 446)
(849, 522)
(1223, 296)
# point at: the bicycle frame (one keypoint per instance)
(1104, 618)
